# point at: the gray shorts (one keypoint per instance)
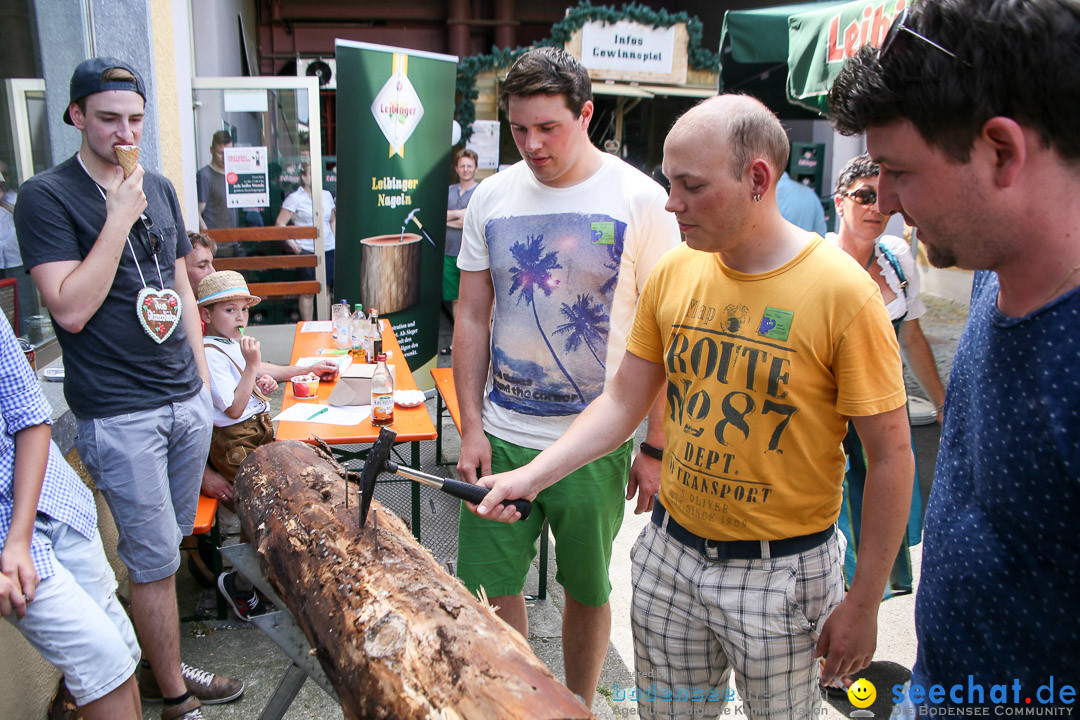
(75, 620)
(149, 465)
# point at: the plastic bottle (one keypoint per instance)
(341, 325)
(357, 327)
(371, 334)
(382, 394)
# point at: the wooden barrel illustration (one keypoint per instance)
(390, 279)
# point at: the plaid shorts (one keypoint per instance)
(695, 620)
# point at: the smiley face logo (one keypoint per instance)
(862, 693)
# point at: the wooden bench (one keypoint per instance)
(208, 535)
(269, 262)
(447, 397)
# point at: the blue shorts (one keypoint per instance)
(149, 466)
(75, 620)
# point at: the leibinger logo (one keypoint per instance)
(1050, 699)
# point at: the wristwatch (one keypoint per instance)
(652, 451)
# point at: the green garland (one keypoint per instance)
(699, 58)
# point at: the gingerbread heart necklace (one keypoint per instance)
(158, 310)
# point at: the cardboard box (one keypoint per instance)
(354, 385)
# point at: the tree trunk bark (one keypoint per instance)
(397, 636)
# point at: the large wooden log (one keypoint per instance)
(397, 635)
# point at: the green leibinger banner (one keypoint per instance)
(394, 112)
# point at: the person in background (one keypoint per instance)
(56, 586)
(889, 262)
(214, 211)
(969, 109)
(458, 197)
(740, 569)
(297, 209)
(200, 261)
(11, 264)
(800, 205)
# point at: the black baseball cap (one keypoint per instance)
(86, 80)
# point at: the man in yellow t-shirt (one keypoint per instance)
(769, 340)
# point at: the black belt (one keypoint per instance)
(737, 549)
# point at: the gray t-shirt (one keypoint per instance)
(456, 200)
(210, 185)
(112, 365)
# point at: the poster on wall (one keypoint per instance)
(247, 178)
(484, 141)
(394, 112)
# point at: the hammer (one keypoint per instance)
(412, 216)
(378, 461)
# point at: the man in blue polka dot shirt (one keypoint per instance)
(969, 107)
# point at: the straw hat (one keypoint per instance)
(224, 285)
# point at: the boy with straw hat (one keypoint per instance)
(239, 382)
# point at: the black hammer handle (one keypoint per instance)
(475, 493)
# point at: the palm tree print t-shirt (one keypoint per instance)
(567, 266)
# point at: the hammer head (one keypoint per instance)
(376, 461)
(410, 216)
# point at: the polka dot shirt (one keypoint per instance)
(999, 596)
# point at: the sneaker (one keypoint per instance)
(205, 687)
(247, 604)
(187, 710)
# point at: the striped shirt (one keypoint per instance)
(64, 497)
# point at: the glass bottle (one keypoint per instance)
(371, 334)
(382, 394)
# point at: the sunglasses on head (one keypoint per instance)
(898, 39)
(155, 240)
(862, 196)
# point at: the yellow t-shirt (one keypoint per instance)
(763, 372)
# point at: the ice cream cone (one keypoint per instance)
(128, 155)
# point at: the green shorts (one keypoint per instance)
(585, 510)
(451, 278)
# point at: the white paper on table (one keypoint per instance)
(346, 415)
(317, 326)
(343, 361)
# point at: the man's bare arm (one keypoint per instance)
(849, 636)
(472, 355)
(74, 290)
(599, 429)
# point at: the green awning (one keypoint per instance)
(822, 39)
(788, 56)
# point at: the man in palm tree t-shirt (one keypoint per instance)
(555, 253)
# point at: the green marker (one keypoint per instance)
(318, 413)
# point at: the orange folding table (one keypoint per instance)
(412, 425)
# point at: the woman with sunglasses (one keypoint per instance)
(889, 262)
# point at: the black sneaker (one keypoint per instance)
(246, 605)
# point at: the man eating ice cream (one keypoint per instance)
(107, 250)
